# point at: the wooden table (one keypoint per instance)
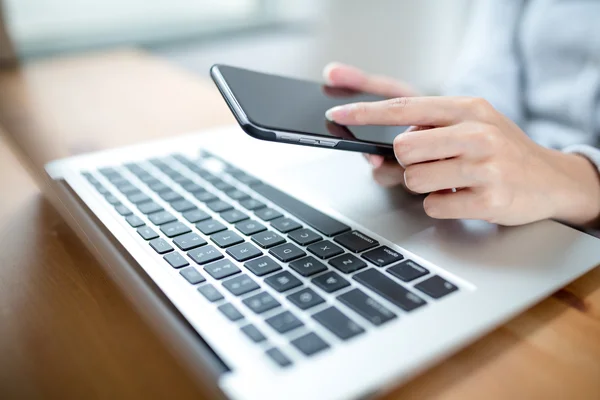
(67, 332)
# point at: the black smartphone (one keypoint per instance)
(281, 109)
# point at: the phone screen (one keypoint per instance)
(293, 105)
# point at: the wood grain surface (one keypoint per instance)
(67, 332)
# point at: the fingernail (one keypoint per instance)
(331, 113)
(327, 71)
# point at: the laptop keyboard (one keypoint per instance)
(227, 242)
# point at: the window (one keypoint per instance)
(47, 26)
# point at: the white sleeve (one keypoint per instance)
(592, 154)
(489, 65)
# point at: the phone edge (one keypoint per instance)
(260, 133)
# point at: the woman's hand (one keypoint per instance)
(500, 175)
(386, 173)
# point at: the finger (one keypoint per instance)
(459, 205)
(375, 160)
(442, 175)
(337, 74)
(418, 146)
(421, 111)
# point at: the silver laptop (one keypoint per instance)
(278, 271)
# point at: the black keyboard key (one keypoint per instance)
(219, 206)
(367, 307)
(308, 266)
(176, 260)
(205, 196)
(192, 275)
(173, 229)
(261, 302)
(233, 216)
(310, 344)
(316, 219)
(325, 249)
(183, 181)
(382, 256)
(170, 196)
(134, 221)
(146, 178)
(267, 239)
(224, 186)
(285, 225)
(226, 239)
(347, 263)
(189, 241)
(304, 237)
(330, 282)
(244, 251)
(252, 204)
(128, 189)
(192, 187)
(305, 298)
(158, 187)
(91, 179)
(356, 241)
(283, 281)
(161, 217)
(253, 333)
(210, 226)
(389, 290)
(245, 178)
(262, 266)
(407, 271)
(124, 211)
(240, 285)
(278, 357)
(338, 323)
(205, 254)
(183, 205)
(210, 293)
(108, 172)
(221, 269)
(268, 214)
(436, 287)
(230, 312)
(287, 252)
(138, 198)
(160, 246)
(149, 207)
(147, 233)
(284, 322)
(112, 199)
(102, 190)
(250, 227)
(196, 216)
(236, 194)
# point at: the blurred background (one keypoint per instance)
(413, 40)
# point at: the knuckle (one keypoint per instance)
(491, 203)
(481, 107)
(488, 137)
(491, 172)
(396, 105)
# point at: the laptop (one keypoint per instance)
(277, 271)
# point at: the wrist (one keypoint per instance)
(576, 191)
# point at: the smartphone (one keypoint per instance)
(288, 110)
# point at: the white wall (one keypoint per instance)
(415, 40)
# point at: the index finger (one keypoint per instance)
(417, 111)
